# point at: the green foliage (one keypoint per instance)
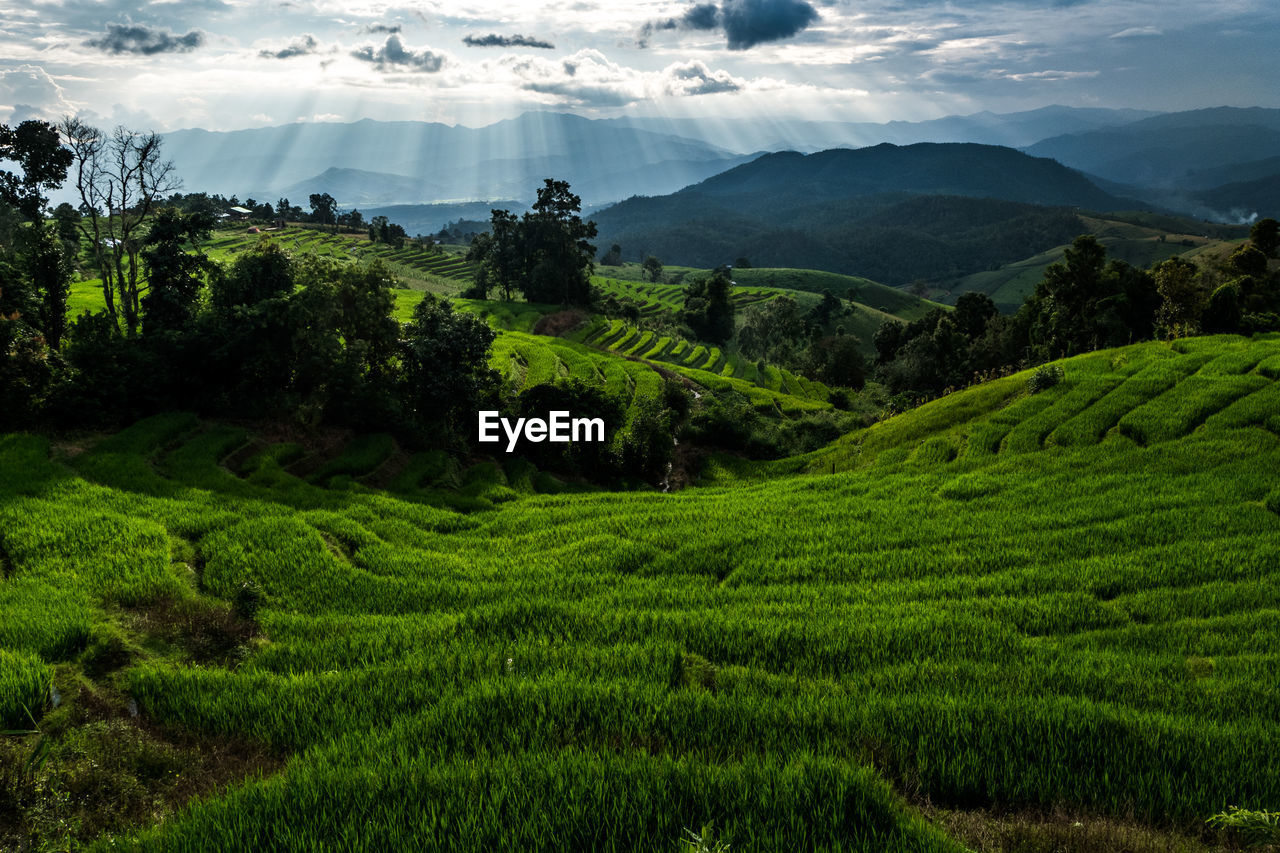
(1257, 828)
(35, 146)
(24, 688)
(1045, 377)
(265, 272)
(175, 269)
(652, 268)
(1085, 303)
(545, 254)
(1265, 236)
(708, 307)
(580, 399)
(445, 366)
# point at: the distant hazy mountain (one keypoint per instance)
(430, 218)
(1203, 179)
(892, 214)
(1167, 151)
(369, 162)
(353, 187)
(1245, 201)
(1011, 129)
(1164, 159)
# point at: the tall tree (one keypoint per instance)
(175, 268)
(445, 360)
(558, 249)
(708, 307)
(652, 268)
(1265, 234)
(324, 209)
(120, 179)
(1183, 295)
(50, 268)
(35, 146)
(544, 254)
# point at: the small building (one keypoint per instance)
(238, 212)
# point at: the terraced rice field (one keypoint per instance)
(1072, 619)
(707, 366)
(1144, 395)
(409, 261)
(657, 298)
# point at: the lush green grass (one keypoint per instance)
(1066, 627)
(864, 291)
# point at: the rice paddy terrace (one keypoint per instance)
(1052, 611)
(706, 366)
(410, 262)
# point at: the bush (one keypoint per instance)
(1256, 829)
(1045, 377)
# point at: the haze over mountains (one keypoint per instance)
(1221, 164)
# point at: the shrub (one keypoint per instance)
(1256, 829)
(1045, 377)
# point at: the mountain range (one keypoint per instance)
(890, 213)
(1219, 164)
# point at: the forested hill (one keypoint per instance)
(891, 213)
(965, 169)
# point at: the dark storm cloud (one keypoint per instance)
(393, 55)
(517, 40)
(135, 38)
(704, 16)
(302, 46)
(746, 23)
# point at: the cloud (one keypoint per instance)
(304, 45)
(746, 23)
(588, 78)
(1136, 32)
(382, 29)
(517, 40)
(394, 56)
(703, 16)
(139, 39)
(1052, 75)
(29, 92)
(695, 78)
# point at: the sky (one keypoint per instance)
(229, 64)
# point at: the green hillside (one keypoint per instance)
(771, 389)
(864, 291)
(442, 268)
(1141, 241)
(1050, 611)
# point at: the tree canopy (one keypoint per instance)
(546, 254)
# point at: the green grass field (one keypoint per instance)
(1058, 609)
